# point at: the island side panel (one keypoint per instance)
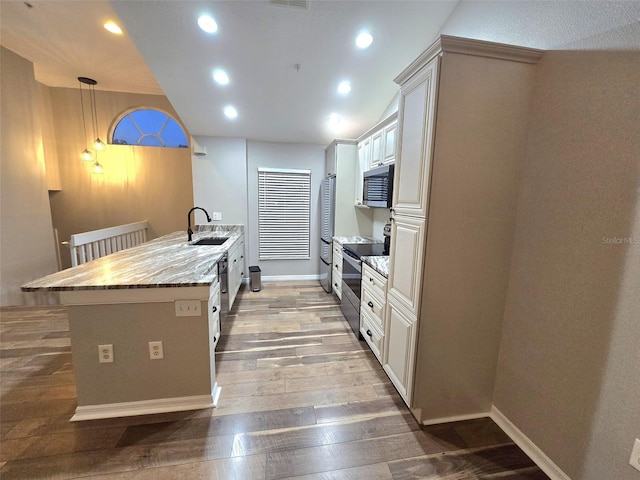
(133, 376)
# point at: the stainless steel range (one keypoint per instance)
(352, 279)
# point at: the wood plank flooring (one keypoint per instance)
(302, 398)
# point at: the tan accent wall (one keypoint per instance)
(139, 183)
(568, 370)
(45, 114)
(26, 236)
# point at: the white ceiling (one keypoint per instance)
(65, 40)
(259, 44)
(163, 51)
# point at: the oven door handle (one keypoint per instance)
(355, 263)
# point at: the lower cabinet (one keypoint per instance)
(399, 346)
(372, 309)
(236, 269)
(336, 270)
(372, 335)
(213, 307)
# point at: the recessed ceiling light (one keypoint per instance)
(344, 87)
(363, 40)
(113, 28)
(207, 23)
(334, 119)
(220, 76)
(230, 112)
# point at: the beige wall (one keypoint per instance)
(568, 368)
(27, 248)
(133, 376)
(139, 183)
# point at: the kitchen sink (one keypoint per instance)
(210, 241)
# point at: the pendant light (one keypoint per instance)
(98, 144)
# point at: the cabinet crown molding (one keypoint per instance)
(468, 46)
(381, 124)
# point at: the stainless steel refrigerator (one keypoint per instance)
(327, 225)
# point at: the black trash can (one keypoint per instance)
(255, 278)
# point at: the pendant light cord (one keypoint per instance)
(84, 123)
(94, 112)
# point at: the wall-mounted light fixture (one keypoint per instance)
(98, 145)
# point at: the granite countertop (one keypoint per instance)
(167, 261)
(355, 239)
(379, 263)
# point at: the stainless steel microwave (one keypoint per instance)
(378, 187)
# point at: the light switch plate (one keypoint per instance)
(217, 215)
(188, 308)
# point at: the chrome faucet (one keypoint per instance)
(189, 231)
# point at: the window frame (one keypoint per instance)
(118, 118)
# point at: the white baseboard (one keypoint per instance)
(287, 278)
(531, 449)
(146, 407)
(457, 418)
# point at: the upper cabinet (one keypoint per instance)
(382, 143)
(331, 160)
(389, 136)
(417, 114)
(376, 147)
(364, 152)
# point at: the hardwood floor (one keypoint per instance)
(302, 398)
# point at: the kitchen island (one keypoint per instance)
(144, 324)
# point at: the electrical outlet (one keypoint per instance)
(105, 353)
(634, 461)
(188, 308)
(217, 215)
(155, 350)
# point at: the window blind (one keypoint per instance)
(284, 214)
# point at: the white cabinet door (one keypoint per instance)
(235, 269)
(213, 318)
(330, 159)
(416, 120)
(376, 150)
(389, 137)
(398, 357)
(337, 270)
(364, 150)
(406, 260)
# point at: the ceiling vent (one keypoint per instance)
(296, 4)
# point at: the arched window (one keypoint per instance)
(149, 128)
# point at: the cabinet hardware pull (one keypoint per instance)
(214, 309)
(370, 304)
(369, 333)
(215, 338)
(370, 279)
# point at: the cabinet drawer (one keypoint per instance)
(373, 336)
(371, 305)
(336, 281)
(337, 260)
(375, 283)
